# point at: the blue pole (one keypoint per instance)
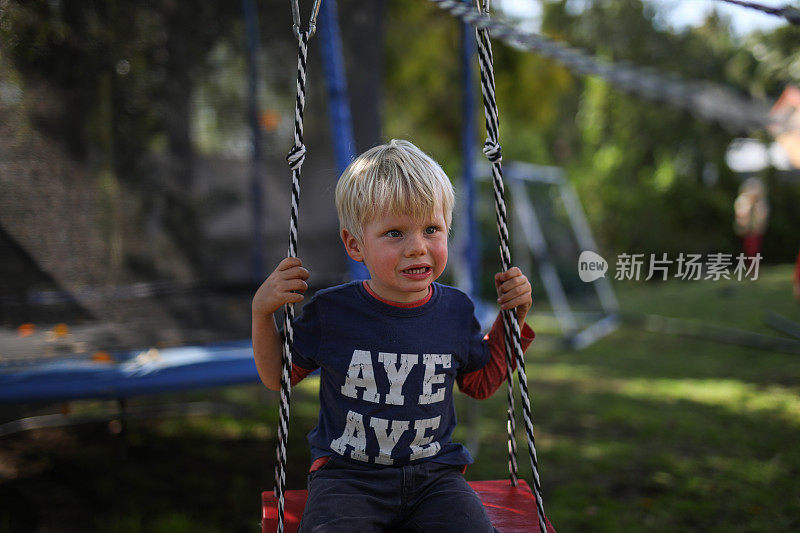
(256, 192)
(338, 104)
(471, 249)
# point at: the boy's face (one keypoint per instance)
(404, 255)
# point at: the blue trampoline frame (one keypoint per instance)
(138, 372)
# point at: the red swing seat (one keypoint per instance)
(511, 509)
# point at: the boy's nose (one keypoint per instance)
(415, 246)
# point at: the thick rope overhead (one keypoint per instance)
(792, 14)
(492, 151)
(708, 102)
(295, 158)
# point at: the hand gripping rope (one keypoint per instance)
(491, 149)
(295, 158)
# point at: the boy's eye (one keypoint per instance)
(430, 230)
(393, 233)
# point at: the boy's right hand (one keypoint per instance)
(285, 285)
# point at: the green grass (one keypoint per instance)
(639, 432)
(649, 432)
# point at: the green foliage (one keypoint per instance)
(638, 165)
(652, 178)
(423, 102)
(776, 59)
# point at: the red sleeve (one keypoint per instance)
(483, 383)
(299, 373)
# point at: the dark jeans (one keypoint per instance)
(348, 497)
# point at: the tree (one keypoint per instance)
(638, 165)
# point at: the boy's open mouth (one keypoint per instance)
(419, 271)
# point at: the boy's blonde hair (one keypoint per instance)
(395, 178)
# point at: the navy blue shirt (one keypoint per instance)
(387, 373)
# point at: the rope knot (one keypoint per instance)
(492, 151)
(296, 156)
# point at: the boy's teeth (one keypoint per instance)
(416, 270)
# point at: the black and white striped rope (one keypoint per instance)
(707, 101)
(513, 339)
(511, 327)
(295, 158)
(493, 153)
(511, 424)
(790, 13)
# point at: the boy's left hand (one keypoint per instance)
(514, 290)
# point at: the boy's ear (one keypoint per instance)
(352, 246)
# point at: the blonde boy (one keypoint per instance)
(390, 350)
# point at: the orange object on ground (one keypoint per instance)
(25, 330)
(511, 509)
(269, 119)
(60, 330)
(102, 357)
